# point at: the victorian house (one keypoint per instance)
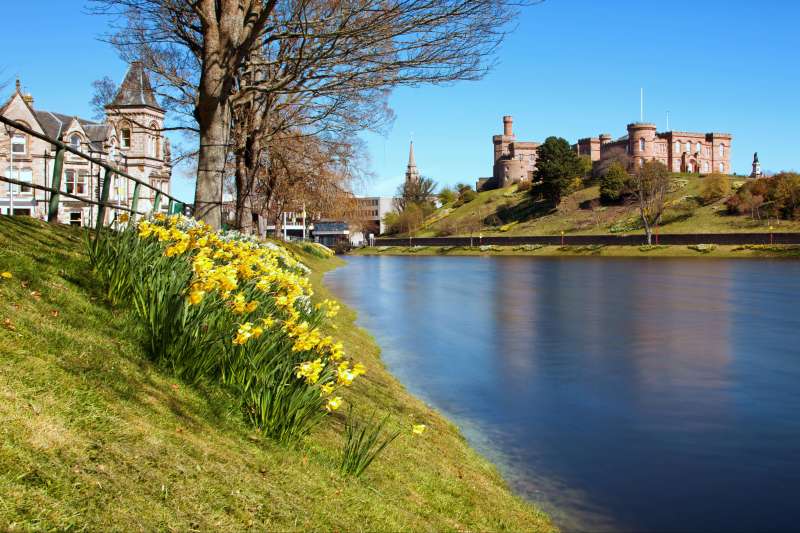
(130, 137)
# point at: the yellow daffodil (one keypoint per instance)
(7, 275)
(418, 429)
(333, 403)
(196, 296)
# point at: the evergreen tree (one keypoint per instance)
(557, 165)
(613, 183)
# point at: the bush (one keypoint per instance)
(715, 187)
(613, 183)
(447, 196)
(523, 186)
(466, 196)
(221, 307)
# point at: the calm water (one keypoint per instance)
(618, 394)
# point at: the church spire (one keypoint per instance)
(412, 174)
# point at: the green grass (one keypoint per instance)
(96, 437)
(720, 251)
(521, 215)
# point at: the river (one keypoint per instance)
(617, 394)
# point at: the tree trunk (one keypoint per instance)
(244, 211)
(214, 121)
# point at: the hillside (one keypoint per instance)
(511, 212)
(97, 437)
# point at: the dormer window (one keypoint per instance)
(126, 138)
(75, 142)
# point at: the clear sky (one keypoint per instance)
(571, 68)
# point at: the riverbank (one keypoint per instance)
(98, 437)
(699, 250)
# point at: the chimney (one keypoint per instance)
(508, 126)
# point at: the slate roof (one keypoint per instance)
(135, 89)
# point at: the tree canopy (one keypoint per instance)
(557, 164)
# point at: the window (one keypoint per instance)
(75, 142)
(126, 138)
(705, 167)
(70, 181)
(697, 147)
(722, 150)
(722, 167)
(641, 163)
(19, 144)
(641, 145)
(677, 147)
(676, 165)
(20, 174)
(75, 218)
(687, 147)
(80, 183)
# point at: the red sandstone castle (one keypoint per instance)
(680, 151)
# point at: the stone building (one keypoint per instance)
(412, 174)
(130, 137)
(680, 151)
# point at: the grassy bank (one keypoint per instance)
(95, 436)
(721, 251)
(512, 212)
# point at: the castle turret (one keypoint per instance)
(508, 126)
(641, 142)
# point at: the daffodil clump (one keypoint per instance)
(227, 307)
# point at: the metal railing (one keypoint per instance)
(104, 184)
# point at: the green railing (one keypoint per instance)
(104, 184)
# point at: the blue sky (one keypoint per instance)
(571, 68)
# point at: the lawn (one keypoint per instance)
(96, 437)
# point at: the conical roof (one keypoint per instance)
(411, 172)
(135, 89)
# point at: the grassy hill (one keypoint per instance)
(511, 212)
(95, 436)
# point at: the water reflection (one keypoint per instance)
(639, 394)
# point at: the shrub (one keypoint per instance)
(447, 196)
(613, 183)
(523, 186)
(362, 443)
(715, 187)
(224, 308)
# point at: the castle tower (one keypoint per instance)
(641, 142)
(756, 167)
(412, 174)
(138, 121)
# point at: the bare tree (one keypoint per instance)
(331, 47)
(650, 186)
(104, 91)
(616, 154)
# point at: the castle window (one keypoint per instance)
(721, 167)
(697, 147)
(722, 150)
(126, 138)
(705, 167)
(677, 147)
(641, 145)
(687, 147)
(19, 146)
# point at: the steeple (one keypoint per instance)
(412, 174)
(135, 90)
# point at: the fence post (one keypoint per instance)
(58, 165)
(157, 202)
(135, 200)
(108, 176)
(170, 205)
